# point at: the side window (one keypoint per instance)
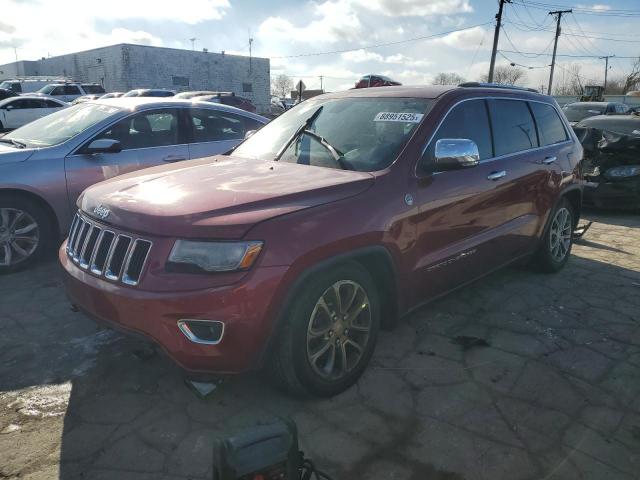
(251, 124)
(71, 90)
(214, 126)
(550, 127)
(513, 127)
(21, 104)
(156, 128)
(466, 120)
(57, 91)
(52, 104)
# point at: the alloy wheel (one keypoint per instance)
(338, 330)
(19, 236)
(560, 234)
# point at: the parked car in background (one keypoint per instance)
(30, 84)
(112, 95)
(612, 160)
(228, 98)
(4, 93)
(149, 92)
(347, 211)
(578, 111)
(70, 91)
(46, 164)
(375, 81)
(194, 93)
(86, 98)
(18, 111)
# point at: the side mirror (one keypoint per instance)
(249, 133)
(9, 107)
(455, 153)
(103, 145)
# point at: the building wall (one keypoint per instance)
(124, 67)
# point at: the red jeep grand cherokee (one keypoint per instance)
(340, 215)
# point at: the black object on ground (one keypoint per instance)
(467, 343)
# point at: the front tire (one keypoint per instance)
(25, 232)
(555, 248)
(329, 333)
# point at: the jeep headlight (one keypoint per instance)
(623, 171)
(188, 255)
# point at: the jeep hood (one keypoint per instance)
(9, 154)
(216, 197)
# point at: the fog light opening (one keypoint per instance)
(207, 332)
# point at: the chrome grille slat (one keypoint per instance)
(115, 256)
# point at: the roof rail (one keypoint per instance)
(496, 85)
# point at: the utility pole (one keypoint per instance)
(250, 50)
(555, 45)
(321, 84)
(496, 36)
(606, 70)
(193, 43)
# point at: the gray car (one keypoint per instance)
(46, 164)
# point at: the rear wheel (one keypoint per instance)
(25, 232)
(329, 333)
(557, 241)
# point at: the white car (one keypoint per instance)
(68, 92)
(18, 111)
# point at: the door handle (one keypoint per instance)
(174, 158)
(549, 160)
(497, 175)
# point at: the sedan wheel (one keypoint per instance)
(338, 330)
(19, 236)
(560, 234)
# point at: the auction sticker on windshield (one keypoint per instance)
(398, 117)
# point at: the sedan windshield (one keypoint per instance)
(577, 112)
(62, 125)
(364, 134)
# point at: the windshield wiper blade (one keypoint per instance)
(13, 142)
(335, 153)
(305, 126)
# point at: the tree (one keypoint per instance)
(506, 74)
(450, 78)
(632, 80)
(570, 82)
(281, 86)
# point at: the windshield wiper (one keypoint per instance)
(13, 142)
(305, 126)
(335, 153)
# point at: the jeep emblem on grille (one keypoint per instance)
(101, 211)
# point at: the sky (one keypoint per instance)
(296, 34)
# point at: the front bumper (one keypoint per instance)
(621, 194)
(248, 310)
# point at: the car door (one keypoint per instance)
(215, 131)
(470, 220)
(17, 113)
(148, 138)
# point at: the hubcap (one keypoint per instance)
(19, 236)
(560, 234)
(338, 330)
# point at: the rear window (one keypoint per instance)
(93, 89)
(513, 127)
(550, 127)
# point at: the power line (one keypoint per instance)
(582, 10)
(573, 34)
(386, 44)
(566, 55)
(516, 48)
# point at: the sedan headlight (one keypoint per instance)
(213, 256)
(623, 171)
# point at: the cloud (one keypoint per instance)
(598, 6)
(408, 8)
(362, 56)
(335, 21)
(122, 35)
(6, 28)
(463, 40)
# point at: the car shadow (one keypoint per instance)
(128, 415)
(622, 218)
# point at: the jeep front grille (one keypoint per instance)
(115, 256)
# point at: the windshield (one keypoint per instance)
(368, 133)
(6, 85)
(47, 89)
(60, 126)
(577, 112)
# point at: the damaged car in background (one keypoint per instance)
(611, 160)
